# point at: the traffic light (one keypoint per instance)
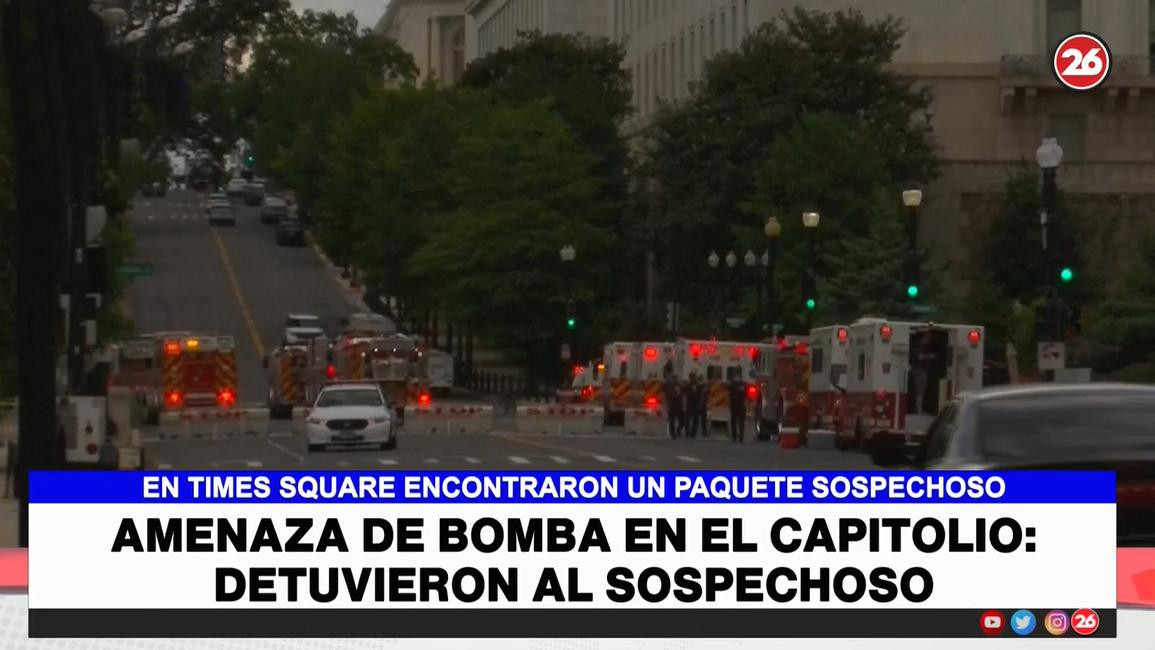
(571, 323)
(912, 291)
(1066, 274)
(811, 304)
(570, 315)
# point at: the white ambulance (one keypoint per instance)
(716, 363)
(901, 374)
(829, 352)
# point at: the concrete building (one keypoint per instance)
(433, 32)
(494, 24)
(988, 65)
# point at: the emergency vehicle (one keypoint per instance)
(198, 370)
(829, 352)
(633, 375)
(296, 373)
(882, 407)
(716, 363)
(587, 381)
(782, 377)
(439, 370)
(393, 362)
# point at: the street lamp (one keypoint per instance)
(731, 259)
(1049, 155)
(713, 260)
(772, 230)
(568, 253)
(912, 199)
(810, 221)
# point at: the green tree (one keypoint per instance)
(1127, 317)
(7, 250)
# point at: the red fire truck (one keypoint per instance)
(176, 370)
(783, 373)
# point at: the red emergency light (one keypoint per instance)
(577, 370)
(752, 392)
(331, 372)
(172, 398)
(782, 344)
(843, 335)
(754, 354)
(171, 348)
(651, 402)
(226, 397)
(651, 354)
(695, 350)
(974, 336)
(423, 399)
(886, 331)
(801, 348)
(739, 350)
(587, 392)
(712, 348)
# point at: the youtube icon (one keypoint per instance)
(992, 622)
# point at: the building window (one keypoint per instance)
(1070, 131)
(713, 39)
(1151, 28)
(735, 41)
(746, 16)
(1064, 17)
(682, 83)
(693, 54)
(722, 29)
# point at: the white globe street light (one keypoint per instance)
(912, 198)
(568, 253)
(713, 260)
(1049, 154)
(731, 259)
(810, 219)
(772, 229)
(751, 259)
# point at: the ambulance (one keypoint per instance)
(296, 373)
(633, 374)
(439, 370)
(782, 376)
(829, 352)
(716, 363)
(587, 381)
(883, 409)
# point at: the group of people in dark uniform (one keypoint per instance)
(687, 408)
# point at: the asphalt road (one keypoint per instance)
(494, 451)
(230, 280)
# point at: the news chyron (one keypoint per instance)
(572, 554)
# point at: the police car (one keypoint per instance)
(351, 414)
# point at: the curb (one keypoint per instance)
(353, 297)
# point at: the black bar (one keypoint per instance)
(618, 623)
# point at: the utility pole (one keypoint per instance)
(32, 31)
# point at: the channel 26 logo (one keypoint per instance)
(1082, 61)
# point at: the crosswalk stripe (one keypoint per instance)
(689, 459)
(387, 461)
(342, 463)
(163, 466)
(151, 217)
(432, 461)
(253, 463)
(650, 459)
(519, 460)
(472, 460)
(604, 459)
(560, 460)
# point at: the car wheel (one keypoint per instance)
(391, 445)
(315, 448)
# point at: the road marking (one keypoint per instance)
(342, 463)
(151, 217)
(279, 447)
(519, 460)
(472, 460)
(650, 459)
(553, 446)
(689, 459)
(432, 461)
(163, 466)
(604, 459)
(248, 316)
(281, 434)
(560, 460)
(253, 463)
(387, 461)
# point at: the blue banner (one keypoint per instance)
(571, 487)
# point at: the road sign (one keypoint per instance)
(1052, 355)
(139, 269)
(1082, 61)
(923, 309)
(565, 354)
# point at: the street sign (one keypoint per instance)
(1052, 355)
(923, 309)
(565, 352)
(138, 269)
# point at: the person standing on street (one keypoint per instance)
(737, 390)
(694, 402)
(672, 395)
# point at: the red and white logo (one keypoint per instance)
(1084, 622)
(992, 622)
(1082, 61)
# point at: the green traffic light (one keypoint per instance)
(571, 323)
(1067, 274)
(912, 291)
(811, 304)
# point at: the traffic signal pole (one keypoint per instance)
(1049, 217)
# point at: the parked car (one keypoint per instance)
(290, 232)
(254, 193)
(222, 215)
(273, 209)
(236, 187)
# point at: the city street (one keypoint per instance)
(495, 451)
(226, 280)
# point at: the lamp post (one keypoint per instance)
(810, 222)
(772, 230)
(1049, 155)
(912, 199)
(713, 261)
(751, 260)
(567, 254)
(732, 265)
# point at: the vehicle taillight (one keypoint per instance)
(885, 332)
(754, 353)
(695, 350)
(651, 354)
(843, 335)
(752, 392)
(577, 370)
(172, 398)
(782, 344)
(651, 402)
(226, 397)
(974, 336)
(423, 399)
(587, 392)
(331, 372)
(172, 348)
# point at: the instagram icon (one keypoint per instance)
(1056, 622)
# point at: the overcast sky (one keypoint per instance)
(368, 12)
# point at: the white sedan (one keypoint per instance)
(351, 414)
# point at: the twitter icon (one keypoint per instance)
(1023, 622)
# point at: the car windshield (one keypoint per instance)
(1079, 426)
(349, 397)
